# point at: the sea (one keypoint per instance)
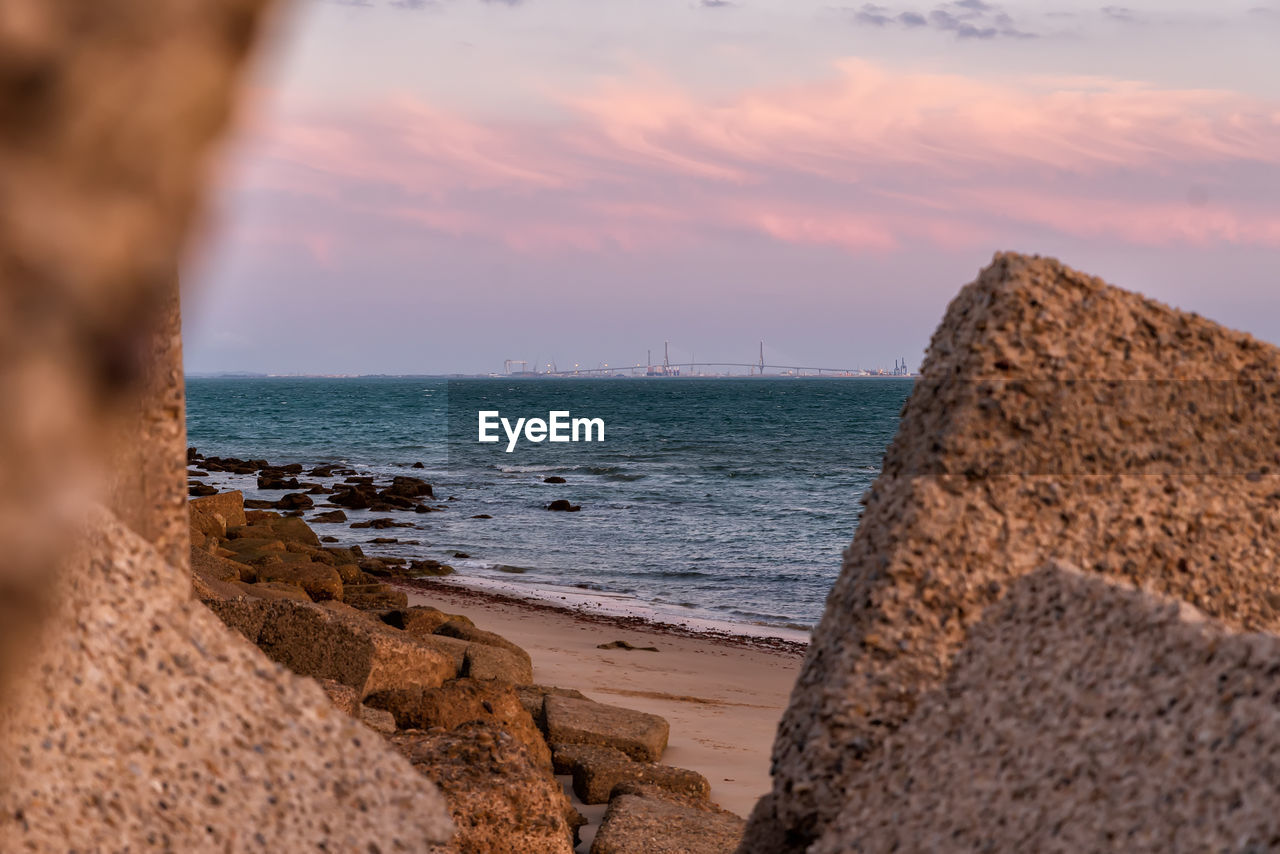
(720, 503)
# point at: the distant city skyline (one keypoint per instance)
(439, 185)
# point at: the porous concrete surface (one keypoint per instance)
(327, 643)
(499, 799)
(144, 724)
(494, 663)
(652, 824)
(462, 701)
(640, 735)
(1082, 715)
(596, 771)
(1056, 418)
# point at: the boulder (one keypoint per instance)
(343, 697)
(533, 696)
(650, 824)
(270, 481)
(1055, 417)
(378, 720)
(500, 800)
(196, 489)
(1076, 705)
(295, 501)
(328, 518)
(318, 581)
(210, 566)
(293, 530)
(563, 505)
(640, 735)
(460, 701)
(467, 631)
(555, 478)
(597, 770)
(423, 620)
(491, 662)
(144, 724)
(319, 642)
(228, 505)
(276, 590)
(214, 514)
(374, 597)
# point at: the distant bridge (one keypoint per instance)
(673, 369)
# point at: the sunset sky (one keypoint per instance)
(426, 186)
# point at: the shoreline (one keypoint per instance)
(722, 694)
(457, 587)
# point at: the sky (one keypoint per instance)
(436, 186)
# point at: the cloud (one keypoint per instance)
(715, 4)
(966, 19)
(866, 159)
(1120, 13)
(503, 2)
(413, 5)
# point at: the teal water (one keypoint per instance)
(728, 500)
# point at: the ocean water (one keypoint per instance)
(721, 500)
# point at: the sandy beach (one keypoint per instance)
(722, 696)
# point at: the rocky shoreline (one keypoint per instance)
(459, 702)
(322, 494)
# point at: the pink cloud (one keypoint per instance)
(868, 159)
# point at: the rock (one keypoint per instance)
(500, 800)
(318, 581)
(640, 735)
(429, 567)
(374, 597)
(407, 487)
(381, 722)
(318, 642)
(277, 590)
(467, 631)
(201, 489)
(460, 701)
(482, 516)
(597, 770)
(328, 539)
(423, 620)
(381, 523)
(258, 504)
(532, 697)
(555, 478)
(213, 567)
(343, 697)
(322, 471)
(621, 644)
(636, 824)
(453, 649)
(295, 501)
(349, 573)
(563, 504)
(417, 466)
(293, 530)
(1055, 418)
(144, 723)
(491, 662)
(267, 481)
(461, 555)
(212, 515)
(1076, 704)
